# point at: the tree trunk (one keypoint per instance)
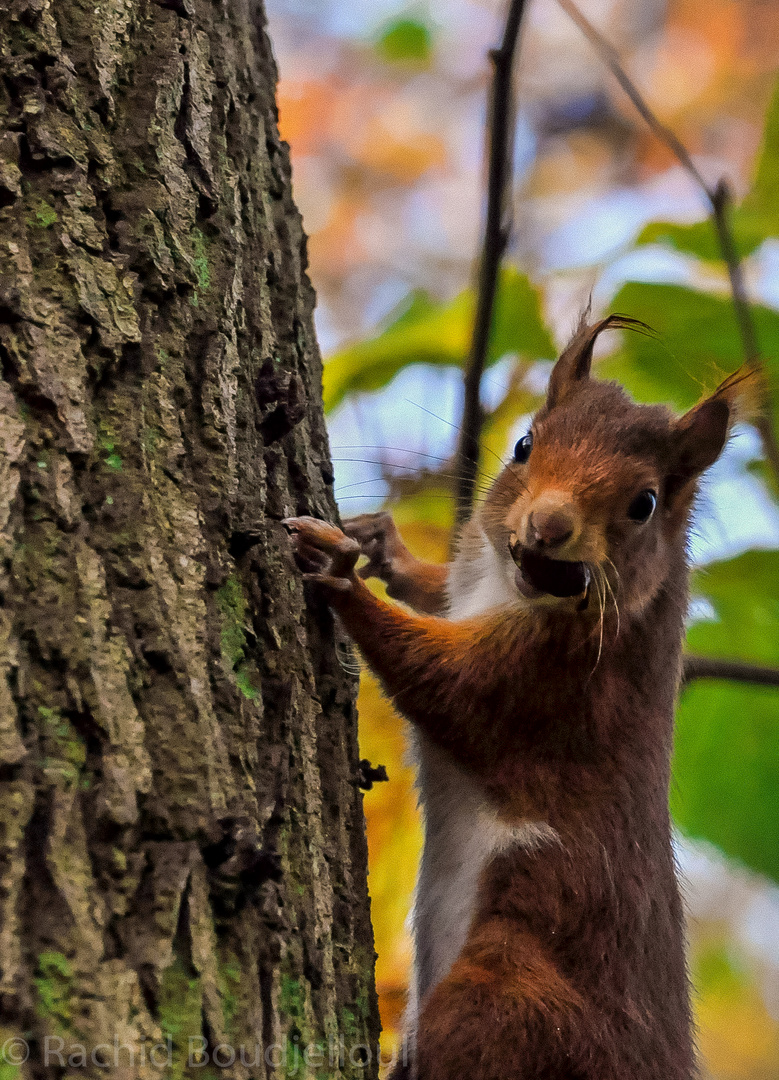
(182, 848)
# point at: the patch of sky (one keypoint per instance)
(495, 383)
(410, 425)
(361, 18)
(345, 18)
(537, 378)
(327, 335)
(700, 609)
(715, 888)
(443, 216)
(384, 299)
(760, 921)
(525, 146)
(765, 273)
(459, 21)
(651, 263)
(594, 229)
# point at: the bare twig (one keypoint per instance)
(496, 234)
(719, 199)
(704, 667)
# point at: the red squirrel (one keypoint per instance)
(539, 675)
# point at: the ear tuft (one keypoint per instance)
(701, 433)
(745, 391)
(576, 359)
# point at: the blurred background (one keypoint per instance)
(383, 105)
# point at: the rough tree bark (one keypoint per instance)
(182, 846)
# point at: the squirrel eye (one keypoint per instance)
(643, 506)
(522, 449)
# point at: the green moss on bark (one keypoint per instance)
(54, 984)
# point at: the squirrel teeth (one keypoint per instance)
(555, 577)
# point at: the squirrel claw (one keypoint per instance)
(340, 584)
(323, 552)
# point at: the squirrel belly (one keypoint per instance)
(539, 903)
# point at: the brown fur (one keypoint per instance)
(574, 964)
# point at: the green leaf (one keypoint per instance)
(518, 325)
(750, 226)
(762, 201)
(439, 334)
(698, 343)
(405, 40)
(725, 769)
(745, 595)
(727, 738)
(699, 239)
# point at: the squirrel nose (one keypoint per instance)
(549, 528)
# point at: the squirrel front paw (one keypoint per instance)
(325, 555)
(379, 540)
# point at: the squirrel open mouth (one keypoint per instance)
(555, 577)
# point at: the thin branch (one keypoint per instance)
(719, 199)
(497, 230)
(704, 667)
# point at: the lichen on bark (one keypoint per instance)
(181, 835)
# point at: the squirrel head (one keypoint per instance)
(596, 503)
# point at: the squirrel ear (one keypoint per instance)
(576, 359)
(701, 434)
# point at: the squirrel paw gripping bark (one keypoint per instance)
(326, 556)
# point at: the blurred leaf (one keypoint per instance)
(431, 333)
(762, 201)
(750, 227)
(736, 1034)
(725, 768)
(394, 833)
(755, 220)
(745, 595)
(698, 343)
(518, 324)
(699, 239)
(425, 515)
(404, 158)
(727, 740)
(717, 973)
(404, 40)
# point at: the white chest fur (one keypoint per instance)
(480, 583)
(462, 831)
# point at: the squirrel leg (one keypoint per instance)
(504, 1012)
(419, 584)
(429, 666)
